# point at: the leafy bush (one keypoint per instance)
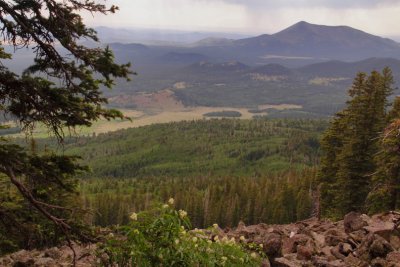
(161, 237)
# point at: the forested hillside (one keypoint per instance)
(218, 170)
(203, 148)
(270, 198)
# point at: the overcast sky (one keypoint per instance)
(381, 17)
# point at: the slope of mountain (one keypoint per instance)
(319, 88)
(158, 36)
(214, 41)
(231, 66)
(272, 69)
(349, 69)
(187, 58)
(324, 42)
(298, 45)
(306, 64)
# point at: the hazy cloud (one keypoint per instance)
(341, 4)
(379, 17)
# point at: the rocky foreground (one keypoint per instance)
(358, 240)
(52, 257)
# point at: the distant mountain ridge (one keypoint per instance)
(349, 69)
(234, 66)
(319, 41)
(331, 69)
(320, 88)
(298, 45)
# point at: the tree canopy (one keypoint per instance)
(356, 155)
(61, 89)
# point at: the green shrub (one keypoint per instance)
(161, 237)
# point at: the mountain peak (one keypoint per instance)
(303, 26)
(335, 35)
(301, 23)
(305, 39)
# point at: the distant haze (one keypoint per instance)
(379, 17)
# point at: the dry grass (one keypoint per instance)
(279, 107)
(151, 116)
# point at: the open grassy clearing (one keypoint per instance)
(152, 116)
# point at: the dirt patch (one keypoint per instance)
(267, 78)
(326, 81)
(152, 116)
(181, 85)
(161, 100)
(279, 107)
(167, 111)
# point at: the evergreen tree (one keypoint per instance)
(57, 91)
(331, 144)
(385, 188)
(351, 144)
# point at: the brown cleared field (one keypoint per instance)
(143, 118)
(279, 107)
(151, 116)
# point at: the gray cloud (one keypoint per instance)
(337, 4)
(380, 17)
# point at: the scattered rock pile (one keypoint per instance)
(358, 240)
(52, 257)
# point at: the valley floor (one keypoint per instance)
(144, 117)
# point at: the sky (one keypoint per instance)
(380, 17)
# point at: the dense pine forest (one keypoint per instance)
(202, 148)
(274, 198)
(218, 170)
(360, 167)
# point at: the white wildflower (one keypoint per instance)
(253, 255)
(242, 238)
(133, 216)
(182, 214)
(171, 201)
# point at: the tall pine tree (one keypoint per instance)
(385, 187)
(351, 143)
